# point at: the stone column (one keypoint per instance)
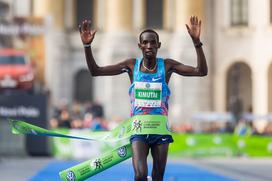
(52, 8)
(260, 94)
(138, 14)
(119, 16)
(169, 12)
(189, 94)
(56, 48)
(270, 88)
(186, 8)
(116, 44)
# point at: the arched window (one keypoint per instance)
(239, 88)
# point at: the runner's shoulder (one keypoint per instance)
(130, 62)
(168, 63)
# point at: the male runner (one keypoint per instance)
(147, 72)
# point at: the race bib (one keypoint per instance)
(148, 94)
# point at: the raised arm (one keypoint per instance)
(194, 30)
(87, 35)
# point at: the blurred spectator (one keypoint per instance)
(229, 127)
(99, 124)
(88, 120)
(76, 124)
(242, 128)
(65, 119)
(77, 111)
(268, 129)
(182, 128)
(96, 110)
(54, 123)
(89, 116)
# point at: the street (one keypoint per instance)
(44, 168)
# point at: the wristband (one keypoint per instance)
(87, 45)
(198, 45)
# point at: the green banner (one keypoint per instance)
(254, 146)
(205, 145)
(185, 145)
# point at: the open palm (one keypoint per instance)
(194, 28)
(86, 34)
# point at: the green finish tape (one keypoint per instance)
(92, 167)
(21, 127)
(142, 124)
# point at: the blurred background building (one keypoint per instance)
(236, 35)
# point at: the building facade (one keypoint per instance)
(236, 35)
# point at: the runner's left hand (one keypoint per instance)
(194, 28)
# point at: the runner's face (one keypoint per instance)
(149, 45)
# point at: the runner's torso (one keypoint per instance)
(149, 92)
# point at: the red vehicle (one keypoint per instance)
(15, 71)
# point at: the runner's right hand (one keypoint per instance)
(86, 34)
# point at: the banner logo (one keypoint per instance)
(71, 176)
(122, 152)
(137, 125)
(98, 164)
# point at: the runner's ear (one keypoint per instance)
(159, 45)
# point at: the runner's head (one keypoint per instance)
(149, 43)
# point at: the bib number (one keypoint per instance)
(148, 94)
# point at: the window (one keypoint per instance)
(154, 14)
(239, 12)
(84, 10)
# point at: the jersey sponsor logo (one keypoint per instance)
(164, 139)
(156, 79)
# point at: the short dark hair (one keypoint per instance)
(149, 31)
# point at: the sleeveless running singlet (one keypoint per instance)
(149, 92)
